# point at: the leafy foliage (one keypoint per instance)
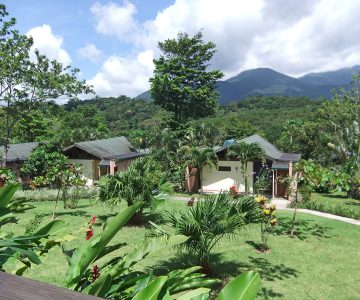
(25, 82)
(211, 219)
(143, 181)
(26, 249)
(245, 153)
(181, 83)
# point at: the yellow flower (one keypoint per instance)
(258, 199)
(267, 211)
(273, 221)
(273, 207)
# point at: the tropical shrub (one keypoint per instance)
(245, 153)
(22, 251)
(8, 206)
(268, 220)
(210, 220)
(7, 176)
(46, 194)
(115, 278)
(143, 181)
(263, 181)
(338, 209)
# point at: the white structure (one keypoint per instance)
(227, 174)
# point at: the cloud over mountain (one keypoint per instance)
(294, 37)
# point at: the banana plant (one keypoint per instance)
(243, 287)
(9, 207)
(91, 249)
(24, 251)
(115, 278)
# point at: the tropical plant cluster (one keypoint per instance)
(93, 272)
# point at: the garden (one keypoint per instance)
(320, 247)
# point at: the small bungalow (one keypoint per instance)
(17, 155)
(102, 157)
(228, 172)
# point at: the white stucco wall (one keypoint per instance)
(90, 169)
(214, 181)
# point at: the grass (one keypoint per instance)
(335, 203)
(335, 199)
(321, 262)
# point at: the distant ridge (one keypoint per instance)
(265, 81)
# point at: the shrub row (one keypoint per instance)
(339, 210)
(46, 194)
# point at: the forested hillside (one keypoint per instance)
(106, 117)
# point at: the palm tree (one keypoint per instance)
(245, 153)
(210, 220)
(198, 158)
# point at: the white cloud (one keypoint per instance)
(91, 52)
(113, 19)
(49, 44)
(293, 37)
(124, 76)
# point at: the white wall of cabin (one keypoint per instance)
(214, 181)
(90, 169)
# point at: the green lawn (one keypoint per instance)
(322, 262)
(339, 198)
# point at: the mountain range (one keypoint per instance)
(265, 81)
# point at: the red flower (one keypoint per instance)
(93, 220)
(95, 273)
(89, 233)
(233, 191)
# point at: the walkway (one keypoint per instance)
(283, 204)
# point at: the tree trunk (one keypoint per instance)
(56, 202)
(245, 179)
(292, 232)
(7, 136)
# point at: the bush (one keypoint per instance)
(210, 220)
(45, 194)
(339, 210)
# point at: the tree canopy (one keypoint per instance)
(181, 83)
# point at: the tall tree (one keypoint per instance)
(181, 83)
(245, 153)
(198, 158)
(26, 82)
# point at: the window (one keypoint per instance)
(224, 169)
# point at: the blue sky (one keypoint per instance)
(73, 21)
(114, 42)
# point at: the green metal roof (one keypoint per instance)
(19, 152)
(280, 165)
(105, 148)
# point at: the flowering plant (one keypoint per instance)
(268, 220)
(233, 192)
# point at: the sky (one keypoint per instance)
(114, 43)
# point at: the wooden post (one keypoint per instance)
(273, 184)
(112, 167)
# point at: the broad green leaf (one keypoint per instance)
(187, 284)
(101, 286)
(6, 193)
(30, 254)
(243, 287)
(152, 291)
(51, 228)
(89, 250)
(150, 246)
(198, 294)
